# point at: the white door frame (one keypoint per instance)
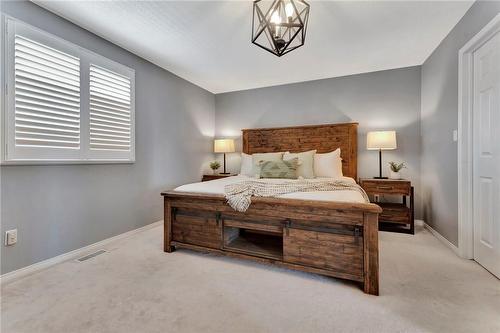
(465, 157)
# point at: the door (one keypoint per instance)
(486, 155)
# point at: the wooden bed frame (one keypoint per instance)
(337, 239)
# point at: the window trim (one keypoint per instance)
(85, 155)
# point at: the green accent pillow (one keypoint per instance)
(259, 158)
(279, 169)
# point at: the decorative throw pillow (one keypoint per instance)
(258, 158)
(328, 165)
(306, 162)
(246, 165)
(279, 169)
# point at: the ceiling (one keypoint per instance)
(208, 42)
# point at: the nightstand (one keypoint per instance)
(213, 177)
(396, 216)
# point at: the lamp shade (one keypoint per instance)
(224, 146)
(383, 140)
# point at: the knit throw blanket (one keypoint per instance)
(239, 195)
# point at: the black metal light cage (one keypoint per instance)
(281, 27)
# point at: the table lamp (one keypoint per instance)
(224, 146)
(381, 140)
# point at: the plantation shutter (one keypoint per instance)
(64, 104)
(110, 110)
(46, 96)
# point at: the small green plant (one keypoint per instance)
(214, 165)
(397, 167)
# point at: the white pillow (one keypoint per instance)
(328, 165)
(306, 162)
(258, 158)
(246, 165)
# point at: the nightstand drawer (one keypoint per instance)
(386, 187)
(394, 213)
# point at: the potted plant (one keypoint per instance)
(395, 170)
(214, 166)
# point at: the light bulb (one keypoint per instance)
(289, 9)
(275, 18)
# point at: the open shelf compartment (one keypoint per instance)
(255, 242)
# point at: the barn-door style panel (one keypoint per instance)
(337, 248)
(200, 228)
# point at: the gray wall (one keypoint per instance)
(57, 209)
(60, 208)
(440, 117)
(378, 101)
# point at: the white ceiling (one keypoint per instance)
(208, 43)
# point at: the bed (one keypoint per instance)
(330, 233)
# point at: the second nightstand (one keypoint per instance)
(213, 177)
(396, 216)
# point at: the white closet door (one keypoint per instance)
(486, 146)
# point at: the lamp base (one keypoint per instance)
(224, 173)
(380, 177)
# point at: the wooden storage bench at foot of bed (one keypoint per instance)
(330, 238)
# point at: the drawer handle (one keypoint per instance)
(286, 225)
(217, 218)
(357, 233)
(385, 187)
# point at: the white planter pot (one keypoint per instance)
(394, 175)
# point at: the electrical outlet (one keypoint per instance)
(11, 237)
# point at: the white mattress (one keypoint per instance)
(217, 187)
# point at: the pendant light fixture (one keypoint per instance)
(279, 26)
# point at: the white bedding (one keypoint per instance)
(217, 187)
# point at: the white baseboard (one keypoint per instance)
(419, 223)
(19, 273)
(442, 239)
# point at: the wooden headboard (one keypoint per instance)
(323, 138)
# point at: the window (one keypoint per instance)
(46, 96)
(64, 103)
(109, 110)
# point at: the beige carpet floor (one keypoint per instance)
(135, 287)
